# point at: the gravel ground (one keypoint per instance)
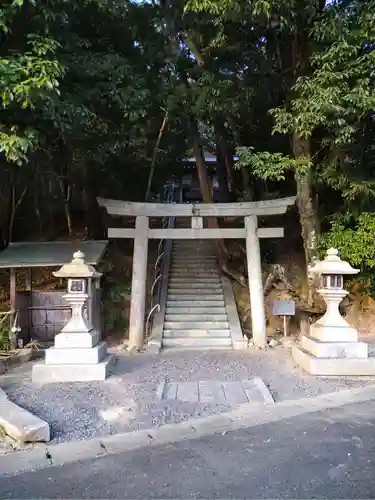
(126, 400)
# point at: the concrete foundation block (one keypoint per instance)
(240, 344)
(20, 424)
(76, 355)
(79, 340)
(333, 366)
(334, 349)
(49, 373)
(153, 347)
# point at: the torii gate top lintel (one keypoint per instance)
(245, 208)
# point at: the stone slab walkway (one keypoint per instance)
(234, 392)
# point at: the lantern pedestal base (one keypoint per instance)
(334, 332)
(77, 340)
(333, 366)
(75, 357)
(333, 350)
(45, 373)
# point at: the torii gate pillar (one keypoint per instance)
(254, 270)
(139, 279)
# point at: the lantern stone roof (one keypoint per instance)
(332, 264)
(77, 268)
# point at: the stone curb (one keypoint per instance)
(263, 389)
(247, 415)
(20, 424)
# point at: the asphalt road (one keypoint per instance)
(328, 454)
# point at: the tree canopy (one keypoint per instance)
(104, 97)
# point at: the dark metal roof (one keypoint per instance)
(50, 253)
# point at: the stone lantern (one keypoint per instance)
(332, 346)
(78, 354)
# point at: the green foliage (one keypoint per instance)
(4, 335)
(354, 239)
(270, 166)
(29, 80)
(16, 145)
(114, 318)
(84, 87)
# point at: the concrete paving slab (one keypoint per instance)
(188, 392)
(170, 391)
(211, 391)
(234, 393)
(215, 391)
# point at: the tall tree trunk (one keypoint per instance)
(221, 167)
(66, 193)
(229, 164)
(247, 191)
(206, 191)
(156, 149)
(92, 214)
(300, 50)
(14, 203)
(307, 212)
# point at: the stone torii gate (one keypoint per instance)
(142, 232)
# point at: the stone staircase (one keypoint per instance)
(196, 314)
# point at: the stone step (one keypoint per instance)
(194, 262)
(197, 264)
(203, 273)
(195, 268)
(195, 274)
(174, 304)
(196, 249)
(195, 317)
(194, 283)
(196, 325)
(197, 281)
(192, 243)
(173, 349)
(177, 334)
(190, 254)
(196, 310)
(197, 342)
(198, 298)
(209, 290)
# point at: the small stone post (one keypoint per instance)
(197, 222)
(139, 278)
(254, 269)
